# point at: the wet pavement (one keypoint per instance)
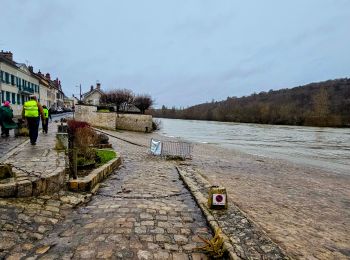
(9, 143)
(142, 211)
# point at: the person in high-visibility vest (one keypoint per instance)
(32, 111)
(45, 123)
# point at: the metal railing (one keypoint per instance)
(171, 149)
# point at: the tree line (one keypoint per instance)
(317, 104)
(124, 99)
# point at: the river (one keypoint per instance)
(320, 147)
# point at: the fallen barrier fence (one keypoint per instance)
(171, 148)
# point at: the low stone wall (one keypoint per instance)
(134, 122)
(131, 122)
(23, 185)
(89, 182)
(89, 114)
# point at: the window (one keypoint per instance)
(2, 96)
(2, 76)
(18, 99)
(12, 80)
(7, 96)
(13, 98)
(7, 78)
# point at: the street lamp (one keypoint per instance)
(79, 91)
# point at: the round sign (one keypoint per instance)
(219, 198)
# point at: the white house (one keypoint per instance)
(93, 96)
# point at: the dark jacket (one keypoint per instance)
(6, 115)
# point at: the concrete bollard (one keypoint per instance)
(217, 198)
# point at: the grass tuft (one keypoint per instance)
(105, 155)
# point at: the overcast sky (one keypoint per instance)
(181, 52)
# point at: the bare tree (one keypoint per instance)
(143, 102)
(121, 98)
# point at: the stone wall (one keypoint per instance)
(134, 122)
(89, 114)
(131, 122)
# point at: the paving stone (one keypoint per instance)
(144, 255)
(42, 250)
(110, 226)
(105, 253)
(147, 223)
(162, 255)
(199, 257)
(171, 247)
(180, 239)
(179, 256)
(15, 256)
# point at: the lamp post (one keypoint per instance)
(79, 91)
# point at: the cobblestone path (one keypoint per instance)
(24, 221)
(7, 144)
(143, 211)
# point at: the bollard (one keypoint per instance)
(217, 198)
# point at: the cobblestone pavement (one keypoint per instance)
(7, 144)
(25, 221)
(142, 211)
(39, 169)
(41, 159)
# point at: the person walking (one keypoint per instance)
(31, 112)
(45, 122)
(6, 122)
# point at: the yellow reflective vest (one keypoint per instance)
(46, 112)
(31, 109)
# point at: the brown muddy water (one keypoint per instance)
(319, 147)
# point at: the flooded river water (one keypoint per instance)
(326, 148)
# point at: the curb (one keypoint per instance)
(91, 181)
(39, 185)
(106, 133)
(214, 225)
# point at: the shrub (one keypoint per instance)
(156, 124)
(143, 102)
(84, 140)
(73, 125)
(102, 139)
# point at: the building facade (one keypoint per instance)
(17, 82)
(93, 96)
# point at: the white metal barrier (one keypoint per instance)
(171, 148)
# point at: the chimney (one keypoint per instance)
(39, 73)
(30, 68)
(91, 88)
(48, 76)
(7, 54)
(98, 85)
